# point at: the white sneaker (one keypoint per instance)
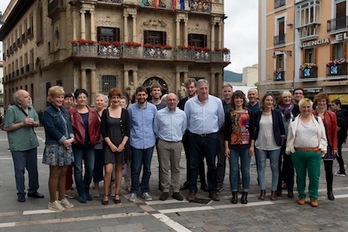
(64, 202)
(56, 206)
(146, 197)
(132, 197)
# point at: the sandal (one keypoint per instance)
(105, 202)
(117, 201)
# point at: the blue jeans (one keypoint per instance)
(203, 147)
(141, 157)
(245, 159)
(26, 160)
(261, 156)
(86, 155)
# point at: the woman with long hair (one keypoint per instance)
(269, 137)
(238, 144)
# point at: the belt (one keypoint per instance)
(203, 135)
(307, 148)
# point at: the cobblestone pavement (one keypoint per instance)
(171, 215)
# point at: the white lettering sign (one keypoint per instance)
(315, 43)
(342, 36)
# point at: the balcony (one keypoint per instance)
(337, 25)
(279, 3)
(309, 72)
(337, 70)
(149, 53)
(279, 76)
(54, 7)
(279, 39)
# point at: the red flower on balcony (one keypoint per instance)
(105, 43)
(83, 41)
(336, 62)
(116, 43)
(133, 44)
(223, 50)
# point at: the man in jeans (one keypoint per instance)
(142, 141)
(20, 120)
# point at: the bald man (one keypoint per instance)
(20, 120)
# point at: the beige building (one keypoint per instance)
(97, 45)
(303, 43)
(250, 75)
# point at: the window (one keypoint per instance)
(197, 40)
(109, 34)
(155, 37)
(108, 82)
(338, 51)
(280, 31)
(308, 18)
(279, 3)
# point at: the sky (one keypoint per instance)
(241, 33)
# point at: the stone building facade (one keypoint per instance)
(101, 44)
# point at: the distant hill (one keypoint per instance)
(230, 76)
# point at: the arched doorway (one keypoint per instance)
(150, 81)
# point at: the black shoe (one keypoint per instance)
(204, 187)
(234, 199)
(177, 196)
(21, 198)
(290, 193)
(105, 202)
(330, 196)
(164, 196)
(279, 192)
(191, 196)
(244, 198)
(35, 195)
(185, 186)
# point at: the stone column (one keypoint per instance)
(125, 26)
(220, 35)
(94, 87)
(135, 78)
(220, 84)
(185, 33)
(83, 24)
(93, 31)
(83, 79)
(125, 79)
(134, 27)
(177, 36)
(212, 42)
(212, 83)
(185, 76)
(177, 81)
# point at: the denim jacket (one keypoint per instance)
(56, 130)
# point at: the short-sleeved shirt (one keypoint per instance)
(24, 138)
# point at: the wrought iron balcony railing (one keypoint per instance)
(279, 76)
(337, 24)
(337, 70)
(309, 72)
(279, 39)
(279, 3)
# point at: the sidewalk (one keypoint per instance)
(171, 215)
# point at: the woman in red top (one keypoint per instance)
(321, 101)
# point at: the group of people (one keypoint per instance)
(104, 141)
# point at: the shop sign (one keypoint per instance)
(314, 43)
(342, 36)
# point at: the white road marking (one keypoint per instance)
(169, 222)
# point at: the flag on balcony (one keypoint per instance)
(182, 4)
(143, 3)
(174, 5)
(156, 4)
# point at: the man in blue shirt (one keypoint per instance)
(205, 116)
(142, 141)
(170, 125)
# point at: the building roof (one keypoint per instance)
(230, 76)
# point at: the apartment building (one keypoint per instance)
(303, 43)
(102, 44)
